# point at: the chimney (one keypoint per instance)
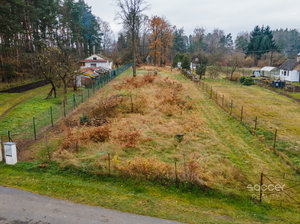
(94, 49)
(298, 57)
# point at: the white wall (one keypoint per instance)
(98, 64)
(291, 76)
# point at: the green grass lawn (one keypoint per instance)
(141, 197)
(32, 103)
(8, 100)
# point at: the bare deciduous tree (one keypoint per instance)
(131, 15)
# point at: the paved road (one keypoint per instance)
(21, 207)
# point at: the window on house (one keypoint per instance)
(284, 73)
(94, 58)
(93, 65)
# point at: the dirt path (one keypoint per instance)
(9, 109)
(19, 206)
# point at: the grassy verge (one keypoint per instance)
(273, 111)
(142, 197)
(30, 104)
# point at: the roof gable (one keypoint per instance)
(94, 56)
(268, 69)
(289, 64)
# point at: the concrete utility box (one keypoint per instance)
(10, 151)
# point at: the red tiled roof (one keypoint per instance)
(90, 68)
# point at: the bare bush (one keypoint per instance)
(106, 108)
(128, 138)
(150, 169)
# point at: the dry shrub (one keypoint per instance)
(227, 173)
(150, 169)
(135, 82)
(196, 173)
(133, 104)
(75, 136)
(99, 134)
(106, 108)
(70, 123)
(169, 96)
(128, 139)
(172, 100)
(148, 79)
(236, 77)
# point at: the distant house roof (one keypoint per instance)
(95, 58)
(268, 68)
(90, 69)
(289, 64)
(87, 61)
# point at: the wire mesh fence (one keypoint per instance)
(31, 128)
(269, 137)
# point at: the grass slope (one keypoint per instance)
(231, 158)
(273, 111)
(142, 197)
(27, 105)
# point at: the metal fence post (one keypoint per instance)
(8, 135)
(64, 102)
(74, 101)
(51, 116)
(34, 128)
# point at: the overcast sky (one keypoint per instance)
(232, 16)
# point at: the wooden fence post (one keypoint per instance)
(211, 92)
(108, 157)
(231, 104)
(260, 189)
(223, 101)
(242, 111)
(217, 97)
(176, 176)
(255, 123)
(2, 149)
(275, 138)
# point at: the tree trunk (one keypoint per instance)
(133, 49)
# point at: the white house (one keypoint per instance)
(269, 71)
(91, 68)
(95, 61)
(290, 70)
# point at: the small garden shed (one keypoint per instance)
(270, 72)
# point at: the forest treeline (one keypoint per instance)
(27, 27)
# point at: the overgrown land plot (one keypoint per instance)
(151, 134)
(273, 111)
